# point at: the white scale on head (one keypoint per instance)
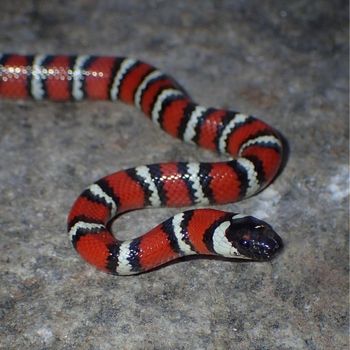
(222, 245)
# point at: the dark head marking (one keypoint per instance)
(254, 238)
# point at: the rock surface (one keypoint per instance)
(284, 60)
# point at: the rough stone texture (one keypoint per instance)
(285, 60)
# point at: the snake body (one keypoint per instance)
(255, 150)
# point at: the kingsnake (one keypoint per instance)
(256, 148)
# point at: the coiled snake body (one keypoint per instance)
(256, 148)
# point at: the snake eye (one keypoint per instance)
(245, 243)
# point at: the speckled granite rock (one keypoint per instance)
(285, 60)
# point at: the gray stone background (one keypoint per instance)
(284, 60)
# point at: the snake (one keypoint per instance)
(255, 152)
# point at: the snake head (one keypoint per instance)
(255, 239)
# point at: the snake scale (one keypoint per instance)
(256, 153)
